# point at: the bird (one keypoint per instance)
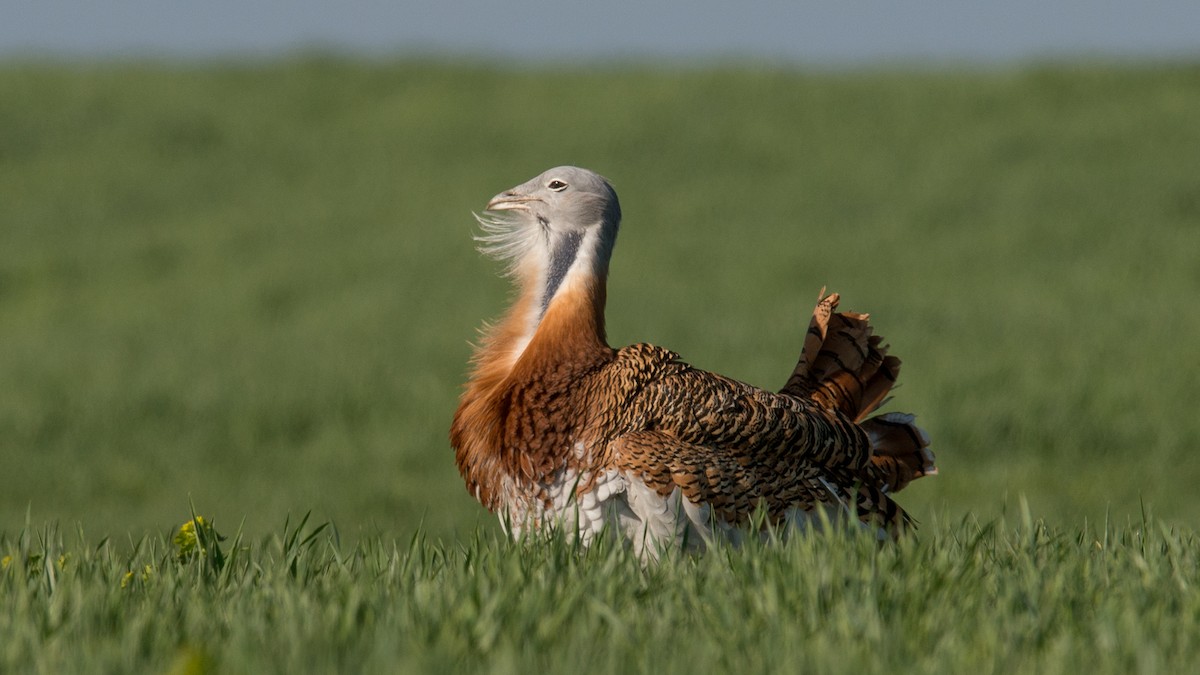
(558, 431)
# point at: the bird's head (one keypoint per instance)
(548, 224)
(562, 199)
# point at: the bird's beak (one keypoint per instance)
(509, 201)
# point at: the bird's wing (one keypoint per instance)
(726, 443)
(735, 487)
(732, 486)
(717, 412)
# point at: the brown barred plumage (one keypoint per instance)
(555, 427)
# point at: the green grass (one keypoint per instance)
(963, 598)
(253, 286)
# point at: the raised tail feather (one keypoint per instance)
(845, 366)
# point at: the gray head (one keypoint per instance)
(563, 198)
(565, 215)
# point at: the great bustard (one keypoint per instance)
(557, 429)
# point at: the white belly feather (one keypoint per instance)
(651, 522)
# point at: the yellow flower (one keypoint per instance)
(128, 578)
(186, 541)
(5, 562)
(198, 538)
(190, 661)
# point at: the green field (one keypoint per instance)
(962, 599)
(251, 288)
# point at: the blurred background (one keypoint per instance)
(861, 32)
(236, 265)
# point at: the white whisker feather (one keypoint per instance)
(505, 237)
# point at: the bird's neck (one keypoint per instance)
(555, 322)
(571, 325)
(560, 317)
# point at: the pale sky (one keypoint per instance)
(834, 32)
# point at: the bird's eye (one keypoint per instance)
(557, 185)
